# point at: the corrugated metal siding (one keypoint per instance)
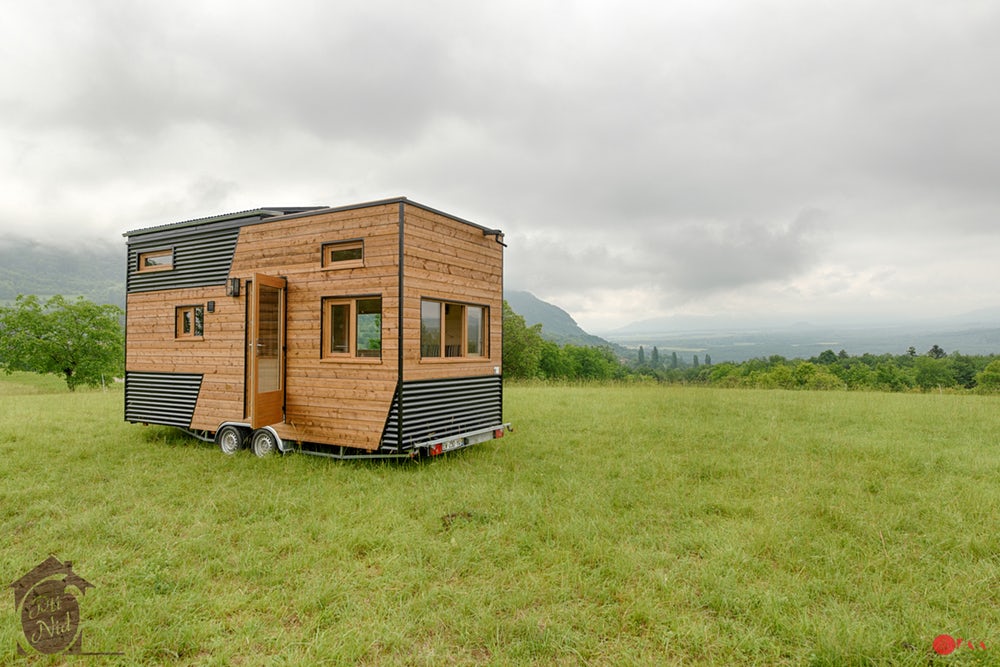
(161, 398)
(435, 409)
(201, 259)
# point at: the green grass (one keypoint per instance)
(617, 525)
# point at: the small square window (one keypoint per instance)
(343, 254)
(157, 260)
(352, 327)
(189, 322)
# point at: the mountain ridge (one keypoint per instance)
(558, 326)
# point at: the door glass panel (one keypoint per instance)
(269, 340)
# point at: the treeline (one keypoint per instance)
(529, 356)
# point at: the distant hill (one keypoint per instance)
(803, 341)
(557, 325)
(96, 272)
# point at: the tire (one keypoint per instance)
(230, 439)
(264, 442)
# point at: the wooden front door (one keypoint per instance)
(267, 351)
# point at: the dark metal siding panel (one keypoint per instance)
(161, 398)
(434, 409)
(201, 258)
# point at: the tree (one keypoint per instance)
(642, 356)
(80, 340)
(827, 357)
(673, 360)
(654, 358)
(522, 345)
(708, 360)
(932, 373)
(989, 378)
(936, 352)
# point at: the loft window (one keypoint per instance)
(452, 330)
(189, 322)
(352, 327)
(343, 254)
(157, 260)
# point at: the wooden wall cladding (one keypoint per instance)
(448, 260)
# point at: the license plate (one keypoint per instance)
(449, 445)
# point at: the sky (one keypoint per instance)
(748, 159)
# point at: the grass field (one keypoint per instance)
(618, 525)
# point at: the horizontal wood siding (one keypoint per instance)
(448, 260)
(338, 402)
(218, 355)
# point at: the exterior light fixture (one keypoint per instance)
(233, 287)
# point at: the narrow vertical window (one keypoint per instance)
(430, 329)
(454, 320)
(369, 328)
(474, 331)
(340, 328)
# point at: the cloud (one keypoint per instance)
(684, 151)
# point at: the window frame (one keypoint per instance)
(352, 354)
(143, 257)
(452, 351)
(193, 334)
(327, 250)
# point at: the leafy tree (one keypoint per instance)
(654, 358)
(932, 373)
(522, 345)
(936, 352)
(963, 369)
(673, 360)
(827, 357)
(554, 363)
(80, 340)
(642, 356)
(708, 360)
(989, 378)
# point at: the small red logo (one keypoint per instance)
(946, 644)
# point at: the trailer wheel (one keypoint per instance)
(264, 442)
(230, 439)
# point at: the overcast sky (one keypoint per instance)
(788, 158)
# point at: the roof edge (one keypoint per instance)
(268, 214)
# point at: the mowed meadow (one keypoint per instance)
(618, 524)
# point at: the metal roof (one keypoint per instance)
(263, 212)
(268, 213)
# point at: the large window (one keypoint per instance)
(189, 322)
(352, 327)
(452, 330)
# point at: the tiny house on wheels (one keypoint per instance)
(372, 330)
